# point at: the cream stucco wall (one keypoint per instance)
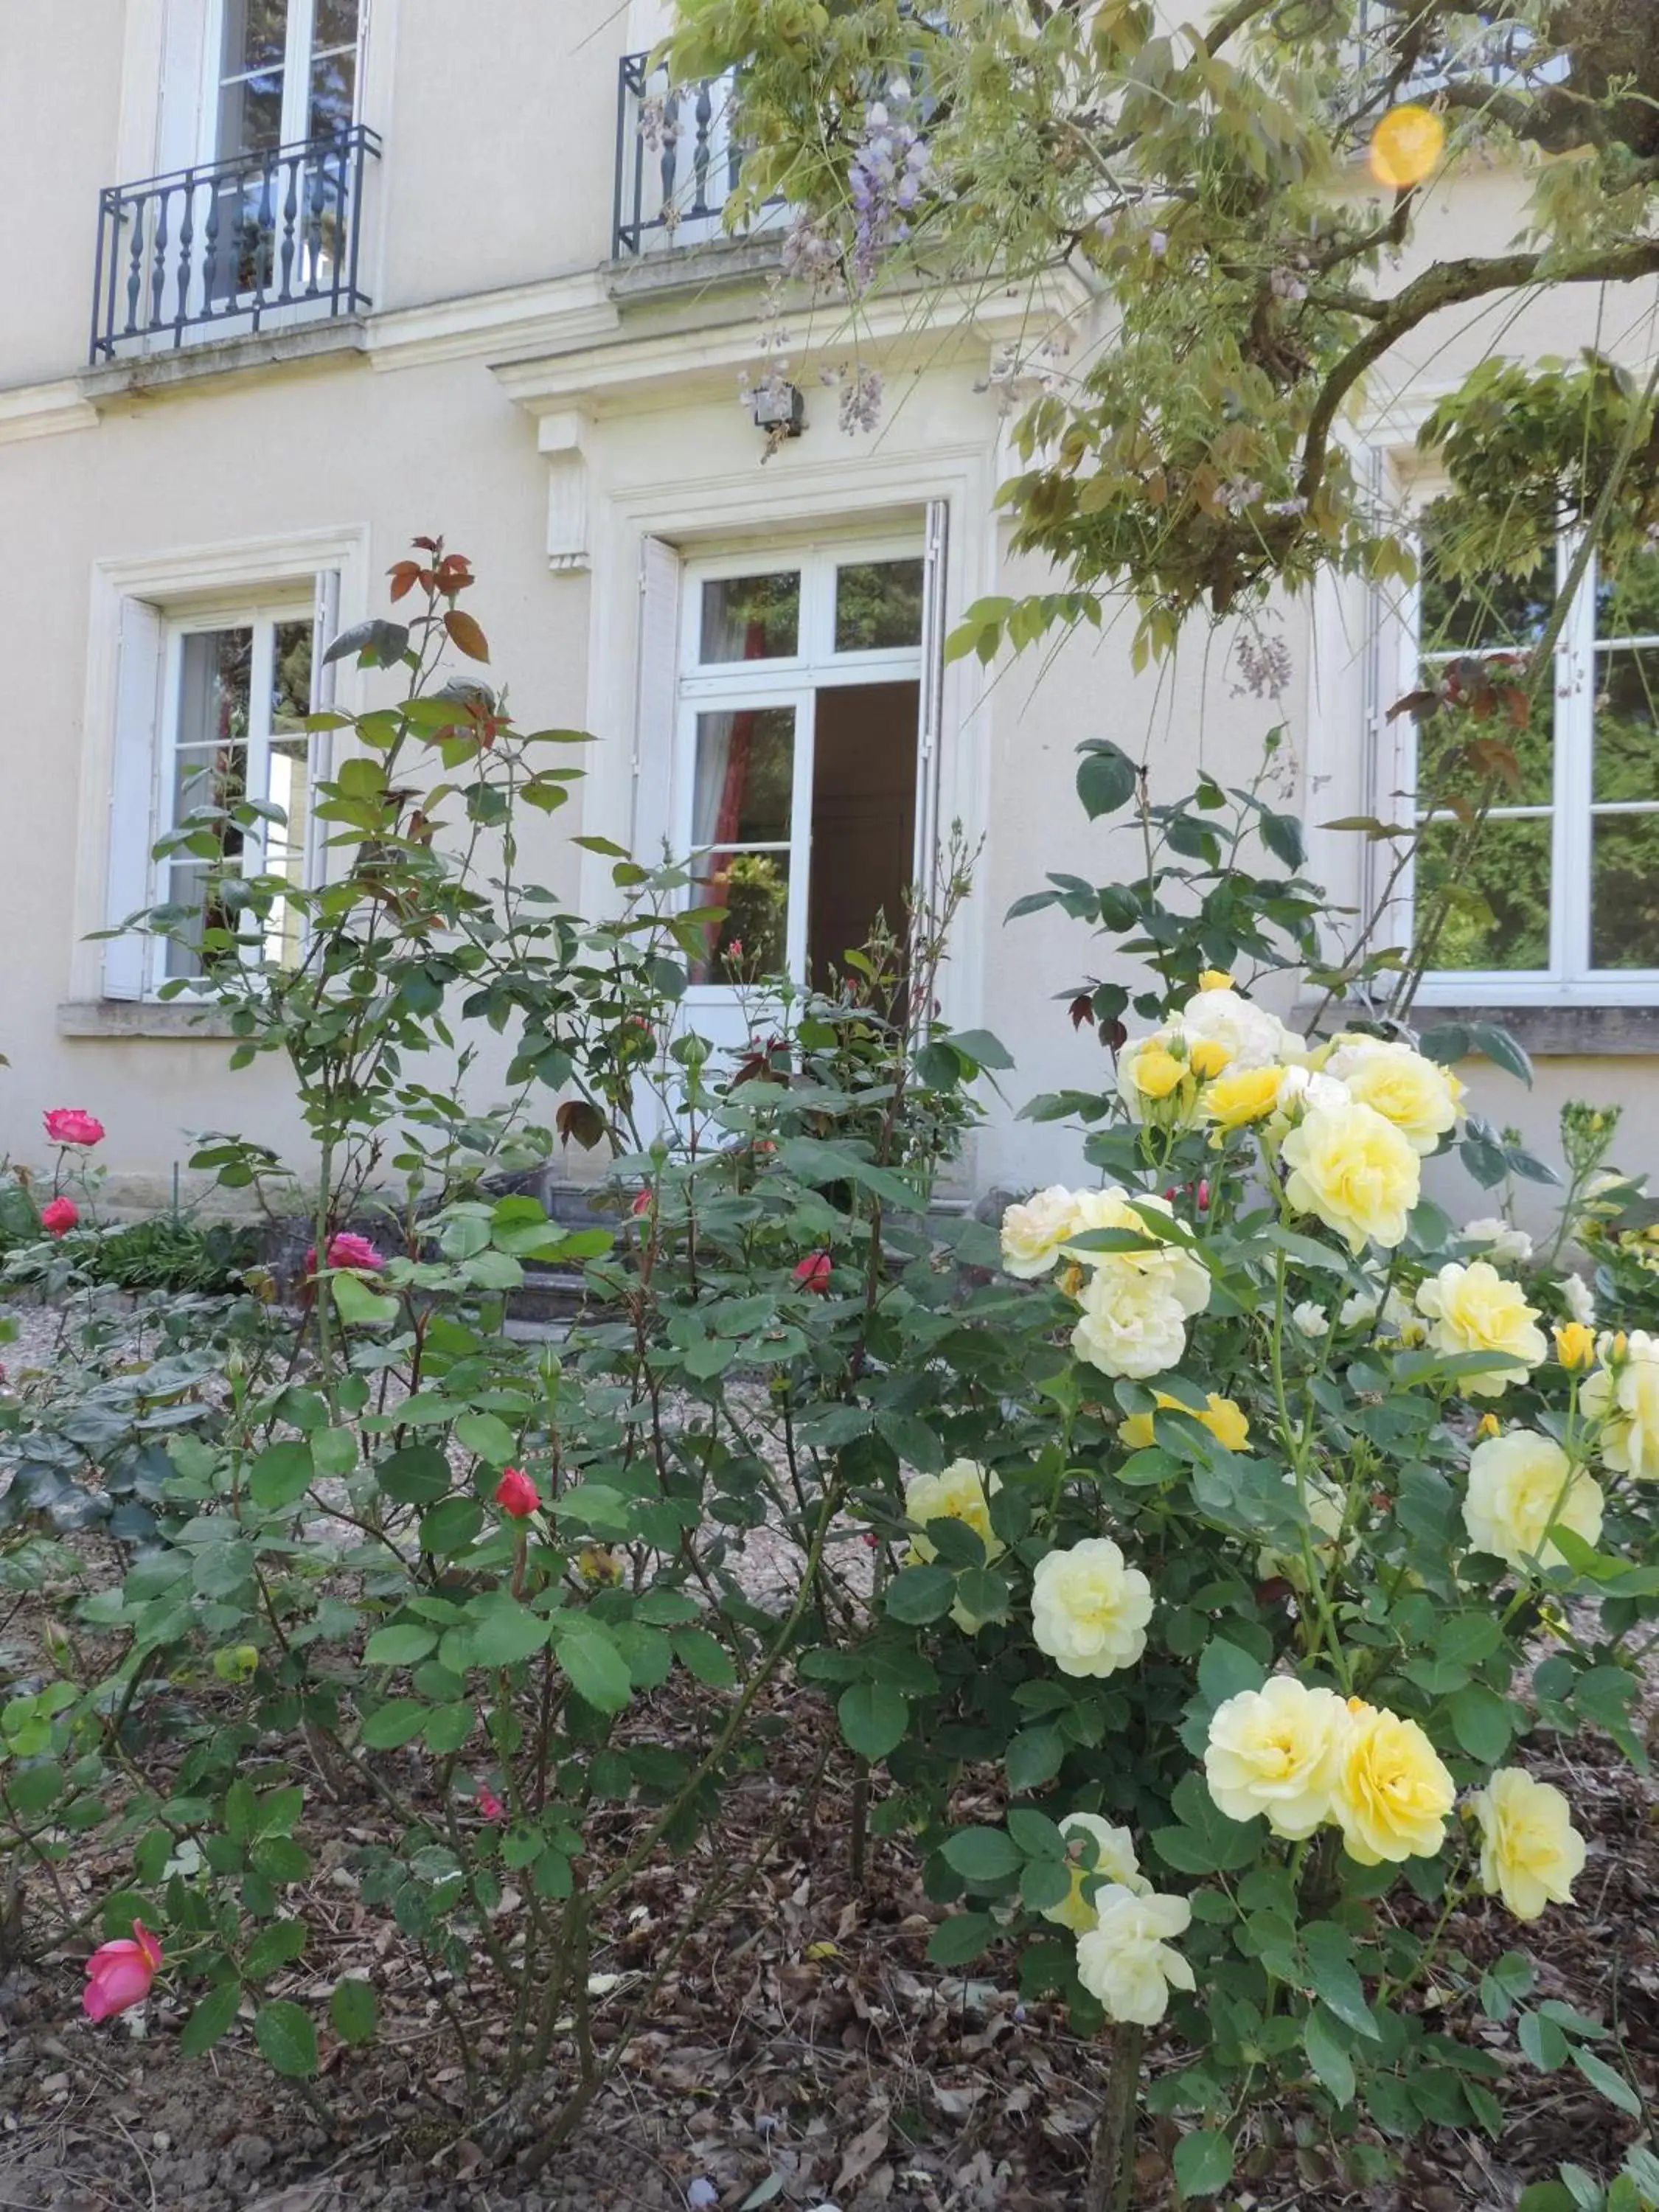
(508, 393)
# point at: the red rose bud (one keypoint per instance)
(489, 1804)
(60, 1217)
(1204, 1198)
(641, 1204)
(516, 1494)
(813, 1273)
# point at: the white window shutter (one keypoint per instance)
(132, 798)
(931, 719)
(654, 823)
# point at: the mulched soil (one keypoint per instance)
(800, 2044)
(801, 2051)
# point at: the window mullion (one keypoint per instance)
(800, 831)
(296, 72)
(1573, 705)
(262, 673)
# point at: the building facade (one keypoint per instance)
(314, 276)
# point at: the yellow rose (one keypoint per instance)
(1530, 1853)
(1125, 1960)
(1521, 1486)
(1209, 1057)
(1575, 1345)
(1176, 1265)
(1032, 1234)
(1401, 1084)
(1215, 979)
(1473, 1309)
(1276, 1751)
(963, 1493)
(1097, 1853)
(1089, 1608)
(1224, 1419)
(1392, 1792)
(1251, 1094)
(1152, 1069)
(1355, 1171)
(1490, 1426)
(1624, 1396)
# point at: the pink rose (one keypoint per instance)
(813, 1273)
(516, 1494)
(641, 1203)
(72, 1125)
(119, 1974)
(348, 1250)
(489, 1804)
(60, 1217)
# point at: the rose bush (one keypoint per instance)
(1296, 1492)
(1213, 1508)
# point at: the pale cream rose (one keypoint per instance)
(1275, 1751)
(1473, 1309)
(1033, 1233)
(1392, 1793)
(1498, 1241)
(1418, 1097)
(1327, 1508)
(1530, 1853)
(1089, 1607)
(1252, 1037)
(1098, 1854)
(1355, 1171)
(1624, 1396)
(1311, 1320)
(1128, 1324)
(1125, 1961)
(1578, 1298)
(1302, 1089)
(1176, 1266)
(1518, 1489)
(962, 1491)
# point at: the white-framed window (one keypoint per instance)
(802, 749)
(279, 73)
(212, 699)
(1560, 904)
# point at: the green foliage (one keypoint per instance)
(1209, 182)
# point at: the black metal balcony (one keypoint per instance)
(678, 159)
(260, 241)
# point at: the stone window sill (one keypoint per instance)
(176, 1018)
(1556, 1032)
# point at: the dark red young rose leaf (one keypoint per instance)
(580, 1119)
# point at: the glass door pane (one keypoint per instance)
(252, 64)
(287, 780)
(208, 770)
(743, 814)
(331, 102)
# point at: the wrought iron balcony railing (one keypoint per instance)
(230, 247)
(678, 159)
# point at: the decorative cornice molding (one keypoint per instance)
(44, 410)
